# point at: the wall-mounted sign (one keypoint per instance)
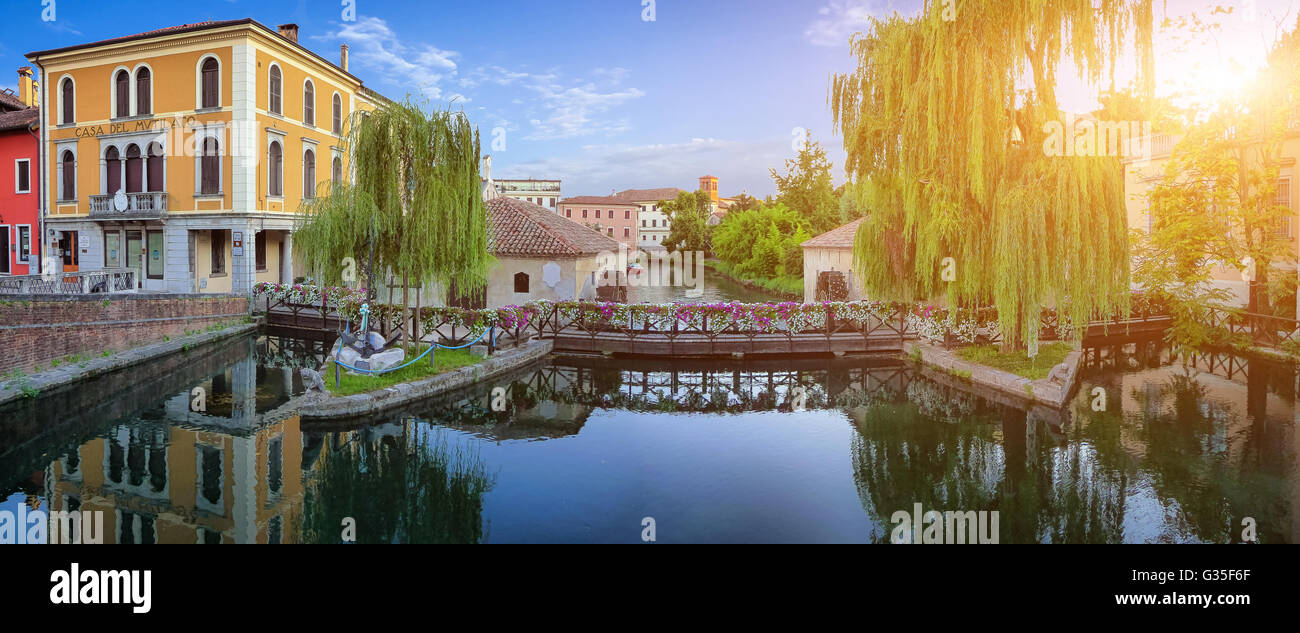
(237, 243)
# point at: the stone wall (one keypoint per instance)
(35, 330)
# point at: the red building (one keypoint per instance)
(610, 216)
(19, 178)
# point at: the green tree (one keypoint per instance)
(945, 125)
(763, 243)
(417, 193)
(688, 215)
(807, 188)
(1219, 202)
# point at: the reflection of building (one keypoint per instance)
(159, 483)
(828, 264)
(221, 465)
(185, 152)
(540, 255)
(612, 217)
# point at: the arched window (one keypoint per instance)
(210, 167)
(336, 170)
(309, 103)
(66, 101)
(122, 87)
(113, 167)
(69, 163)
(275, 167)
(154, 167)
(309, 174)
(142, 92)
(521, 282)
(211, 84)
(275, 89)
(134, 169)
(337, 125)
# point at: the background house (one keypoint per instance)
(540, 255)
(827, 257)
(612, 217)
(19, 180)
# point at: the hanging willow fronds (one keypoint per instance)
(417, 183)
(945, 141)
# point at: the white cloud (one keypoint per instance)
(571, 111)
(374, 47)
(841, 18)
(554, 106)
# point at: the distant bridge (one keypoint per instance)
(588, 331)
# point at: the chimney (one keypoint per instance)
(26, 86)
(289, 32)
(343, 57)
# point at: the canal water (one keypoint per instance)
(589, 450)
(715, 288)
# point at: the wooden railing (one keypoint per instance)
(108, 280)
(1262, 330)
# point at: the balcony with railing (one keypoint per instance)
(144, 205)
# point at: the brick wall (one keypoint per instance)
(37, 329)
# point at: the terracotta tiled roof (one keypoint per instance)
(597, 200)
(523, 229)
(647, 195)
(179, 28)
(840, 237)
(18, 119)
(10, 101)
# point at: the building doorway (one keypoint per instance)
(135, 255)
(68, 251)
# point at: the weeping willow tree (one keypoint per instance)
(416, 192)
(946, 124)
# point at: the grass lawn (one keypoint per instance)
(1049, 356)
(447, 360)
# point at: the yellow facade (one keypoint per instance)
(177, 203)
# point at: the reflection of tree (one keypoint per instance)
(902, 457)
(412, 487)
(1209, 469)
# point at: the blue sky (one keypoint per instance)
(586, 90)
(589, 92)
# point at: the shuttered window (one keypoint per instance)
(69, 176)
(142, 92)
(309, 104)
(210, 165)
(211, 83)
(309, 174)
(66, 99)
(113, 165)
(123, 87)
(275, 89)
(154, 167)
(337, 116)
(275, 178)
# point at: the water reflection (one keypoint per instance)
(585, 449)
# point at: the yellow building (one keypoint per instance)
(184, 153)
